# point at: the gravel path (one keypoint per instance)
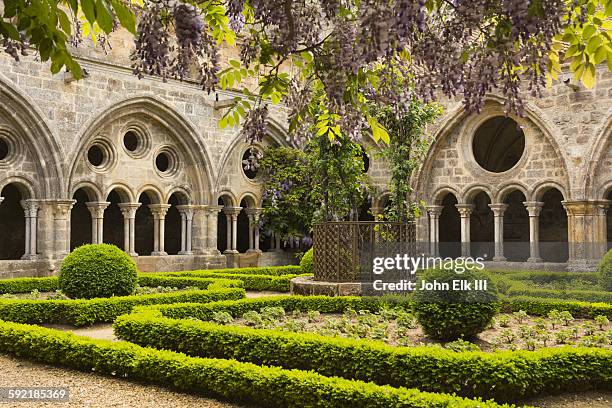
(589, 399)
(88, 390)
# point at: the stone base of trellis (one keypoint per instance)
(307, 286)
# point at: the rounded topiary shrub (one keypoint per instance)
(99, 270)
(605, 271)
(447, 314)
(306, 262)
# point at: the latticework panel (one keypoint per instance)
(341, 248)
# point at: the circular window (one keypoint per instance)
(250, 162)
(166, 161)
(4, 148)
(162, 162)
(498, 144)
(130, 141)
(95, 155)
(100, 155)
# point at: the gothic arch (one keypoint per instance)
(472, 191)
(508, 188)
(457, 117)
(93, 191)
(250, 198)
(603, 142)
(541, 188)
(441, 192)
(188, 140)
(28, 121)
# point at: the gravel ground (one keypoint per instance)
(88, 390)
(590, 399)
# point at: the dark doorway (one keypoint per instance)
(450, 228)
(12, 224)
(80, 220)
(553, 228)
(516, 228)
(113, 221)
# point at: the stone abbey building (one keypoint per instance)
(142, 164)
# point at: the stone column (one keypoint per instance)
(498, 228)
(465, 210)
(584, 233)
(97, 220)
(30, 208)
(199, 230)
(129, 227)
(159, 212)
(603, 206)
(213, 219)
(187, 212)
(534, 208)
(61, 220)
(231, 214)
(434, 212)
(254, 214)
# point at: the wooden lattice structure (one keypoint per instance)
(343, 247)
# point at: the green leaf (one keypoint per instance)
(234, 63)
(89, 9)
(600, 55)
(594, 43)
(125, 16)
(610, 60)
(588, 31)
(588, 78)
(64, 21)
(104, 16)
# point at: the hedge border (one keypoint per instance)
(502, 375)
(257, 282)
(51, 283)
(82, 312)
(223, 379)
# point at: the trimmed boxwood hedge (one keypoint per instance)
(223, 379)
(84, 312)
(501, 375)
(276, 283)
(49, 284)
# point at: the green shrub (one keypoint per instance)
(82, 312)
(605, 271)
(307, 262)
(242, 383)
(502, 375)
(276, 283)
(451, 314)
(25, 285)
(100, 270)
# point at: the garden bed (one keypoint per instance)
(503, 375)
(398, 327)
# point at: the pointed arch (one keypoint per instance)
(598, 150)
(182, 130)
(31, 126)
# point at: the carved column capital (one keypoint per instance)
(187, 211)
(96, 208)
(30, 207)
(128, 209)
(61, 208)
(232, 211)
(434, 210)
(159, 211)
(498, 209)
(465, 210)
(533, 207)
